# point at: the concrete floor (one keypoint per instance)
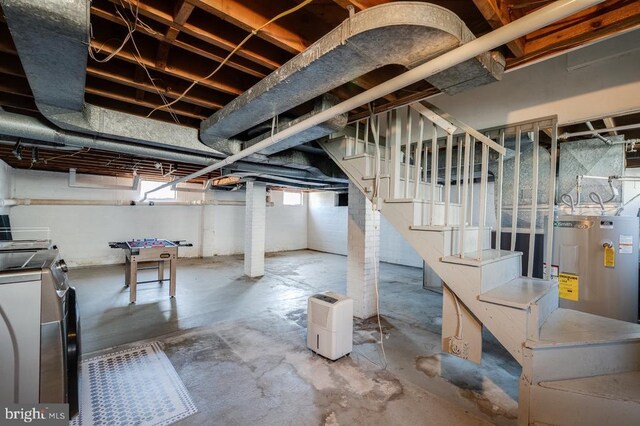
(239, 346)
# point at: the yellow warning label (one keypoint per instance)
(568, 285)
(609, 257)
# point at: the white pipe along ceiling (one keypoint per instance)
(409, 33)
(536, 20)
(47, 30)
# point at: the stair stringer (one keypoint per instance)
(507, 324)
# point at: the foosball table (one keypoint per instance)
(148, 250)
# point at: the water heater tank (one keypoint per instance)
(595, 260)
(330, 324)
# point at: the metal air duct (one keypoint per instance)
(17, 125)
(406, 33)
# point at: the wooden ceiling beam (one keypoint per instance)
(609, 122)
(18, 102)
(164, 18)
(249, 19)
(138, 77)
(404, 100)
(110, 94)
(361, 4)
(239, 65)
(594, 23)
(496, 13)
(178, 72)
(180, 16)
(10, 65)
(15, 85)
(145, 86)
(131, 108)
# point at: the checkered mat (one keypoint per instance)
(136, 386)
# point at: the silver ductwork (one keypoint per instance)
(22, 126)
(407, 33)
(52, 36)
(322, 103)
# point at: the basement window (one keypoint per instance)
(292, 198)
(163, 194)
(342, 199)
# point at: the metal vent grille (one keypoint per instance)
(319, 314)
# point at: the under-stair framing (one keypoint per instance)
(577, 368)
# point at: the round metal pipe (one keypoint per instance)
(591, 132)
(523, 26)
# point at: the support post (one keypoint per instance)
(254, 229)
(363, 253)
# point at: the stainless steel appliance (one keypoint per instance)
(596, 261)
(39, 329)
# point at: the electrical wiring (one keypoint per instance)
(131, 28)
(375, 130)
(57, 157)
(226, 59)
(138, 59)
(130, 31)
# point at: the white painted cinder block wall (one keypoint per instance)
(6, 180)
(82, 232)
(327, 227)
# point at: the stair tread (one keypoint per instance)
(566, 327)
(487, 256)
(518, 293)
(620, 386)
(356, 156)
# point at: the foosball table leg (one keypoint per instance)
(173, 263)
(161, 271)
(127, 273)
(133, 281)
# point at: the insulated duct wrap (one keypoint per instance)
(406, 33)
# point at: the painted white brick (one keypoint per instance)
(255, 229)
(363, 253)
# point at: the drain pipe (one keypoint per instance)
(598, 131)
(525, 25)
(598, 135)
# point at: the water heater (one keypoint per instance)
(330, 324)
(595, 260)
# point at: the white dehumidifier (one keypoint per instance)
(330, 324)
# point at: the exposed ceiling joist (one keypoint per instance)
(497, 15)
(143, 84)
(609, 122)
(252, 52)
(604, 20)
(251, 17)
(175, 71)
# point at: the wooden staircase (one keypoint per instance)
(577, 368)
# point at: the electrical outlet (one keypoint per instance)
(458, 347)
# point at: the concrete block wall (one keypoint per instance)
(82, 232)
(6, 181)
(254, 229)
(327, 232)
(363, 254)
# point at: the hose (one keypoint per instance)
(570, 203)
(614, 192)
(596, 198)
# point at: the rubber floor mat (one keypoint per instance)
(137, 386)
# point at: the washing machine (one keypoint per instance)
(40, 322)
